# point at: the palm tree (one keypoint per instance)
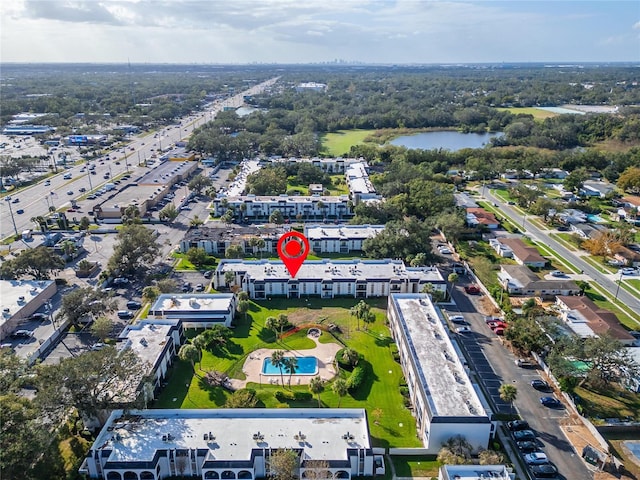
(229, 278)
(360, 311)
(452, 278)
(340, 388)
(271, 323)
(190, 353)
(278, 360)
(196, 221)
(200, 342)
(290, 365)
(316, 387)
(508, 393)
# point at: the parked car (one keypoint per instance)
(541, 385)
(199, 287)
(97, 346)
(628, 271)
(524, 436)
(546, 470)
(22, 334)
(208, 274)
(550, 402)
(39, 317)
(472, 289)
(445, 251)
(495, 325)
(134, 305)
(499, 331)
(536, 458)
(557, 273)
(457, 319)
(523, 363)
(120, 281)
(516, 425)
(463, 330)
(125, 314)
(527, 447)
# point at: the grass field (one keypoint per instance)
(618, 403)
(339, 143)
(536, 112)
(380, 390)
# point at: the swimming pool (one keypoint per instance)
(306, 366)
(595, 218)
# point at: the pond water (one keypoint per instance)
(306, 366)
(447, 140)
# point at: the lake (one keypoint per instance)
(448, 140)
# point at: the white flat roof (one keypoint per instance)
(11, 292)
(287, 199)
(147, 339)
(331, 270)
(342, 232)
(201, 303)
(444, 378)
(476, 472)
(140, 436)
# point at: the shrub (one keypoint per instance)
(302, 396)
(356, 377)
(404, 391)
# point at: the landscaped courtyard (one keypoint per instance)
(390, 421)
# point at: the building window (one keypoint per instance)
(211, 475)
(114, 476)
(244, 474)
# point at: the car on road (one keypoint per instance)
(536, 458)
(15, 200)
(69, 192)
(496, 325)
(125, 314)
(134, 305)
(20, 211)
(22, 334)
(546, 470)
(472, 289)
(463, 330)
(67, 176)
(82, 189)
(91, 197)
(558, 273)
(39, 317)
(523, 363)
(628, 271)
(541, 385)
(47, 183)
(516, 425)
(527, 447)
(550, 402)
(524, 436)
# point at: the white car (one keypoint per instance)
(445, 251)
(628, 271)
(536, 458)
(463, 330)
(456, 318)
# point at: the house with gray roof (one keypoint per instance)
(520, 280)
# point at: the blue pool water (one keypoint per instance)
(306, 366)
(595, 218)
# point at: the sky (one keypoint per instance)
(311, 31)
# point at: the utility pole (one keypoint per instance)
(13, 220)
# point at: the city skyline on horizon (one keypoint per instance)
(407, 32)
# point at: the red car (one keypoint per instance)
(499, 331)
(472, 289)
(498, 324)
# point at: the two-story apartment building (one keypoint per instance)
(326, 278)
(232, 443)
(339, 238)
(445, 401)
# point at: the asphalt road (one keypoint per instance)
(624, 297)
(37, 199)
(494, 365)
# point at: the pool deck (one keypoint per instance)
(252, 368)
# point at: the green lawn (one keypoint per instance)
(339, 143)
(536, 112)
(415, 466)
(566, 239)
(631, 320)
(634, 283)
(601, 404)
(395, 426)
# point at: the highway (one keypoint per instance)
(624, 297)
(36, 199)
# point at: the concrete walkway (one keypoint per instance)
(324, 352)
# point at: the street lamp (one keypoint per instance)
(13, 220)
(89, 177)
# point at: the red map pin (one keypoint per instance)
(293, 248)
